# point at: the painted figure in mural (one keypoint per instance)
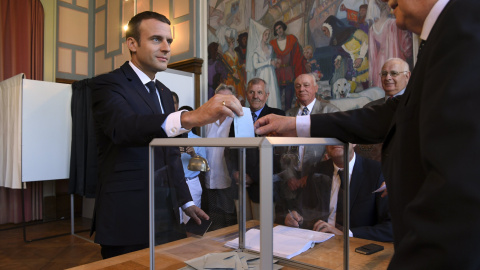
(386, 40)
(260, 63)
(361, 22)
(217, 70)
(312, 62)
(290, 62)
(235, 73)
(348, 10)
(241, 50)
(352, 41)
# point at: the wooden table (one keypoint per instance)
(328, 254)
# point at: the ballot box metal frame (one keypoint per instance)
(266, 146)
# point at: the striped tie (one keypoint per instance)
(305, 111)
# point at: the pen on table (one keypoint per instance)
(291, 214)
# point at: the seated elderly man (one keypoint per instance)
(297, 162)
(395, 75)
(318, 204)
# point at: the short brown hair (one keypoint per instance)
(134, 23)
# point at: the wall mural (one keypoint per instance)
(344, 43)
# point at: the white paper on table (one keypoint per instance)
(316, 237)
(284, 246)
(244, 124)
(226, 260)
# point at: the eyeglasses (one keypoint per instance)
(392, 73)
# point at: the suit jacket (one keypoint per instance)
(126, 120)
(252, 159)
(313, 153)
(369, 216)
(431, 145)
(375, 102)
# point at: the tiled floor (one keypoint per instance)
(54, 253)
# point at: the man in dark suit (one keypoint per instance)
(305, 91)
(395, 75)
(257, 96)
(431, 138)
(318, 204)
(130, 108)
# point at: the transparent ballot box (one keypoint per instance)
(264, 197)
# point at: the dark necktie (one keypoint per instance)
(422, 43)
(254, 117)
(339, 215)
(305, 111)
(153, 94)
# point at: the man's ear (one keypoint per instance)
(132, 44)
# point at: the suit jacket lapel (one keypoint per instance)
(323, 188)
(317, 107)
(165, 96)
(138, 86)
(265, 111)
(357, 179)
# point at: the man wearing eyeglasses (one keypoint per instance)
(431, 138)
(395, 75)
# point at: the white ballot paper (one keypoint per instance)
(288, 242)
(244, 124)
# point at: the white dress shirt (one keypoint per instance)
(172, 125)
(218, 176)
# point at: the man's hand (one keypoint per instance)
(384, 193)
(219, 106)
(196, 213)
(322, 226)
(248, 180)
(293, 219)
(294, 183)
(276, 125)
(189, 150)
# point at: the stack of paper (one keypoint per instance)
(226, 260)
(288, 242)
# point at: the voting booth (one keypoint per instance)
(36, 131)
(36, 127)
(265, 238)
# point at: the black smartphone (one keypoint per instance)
(369, 249)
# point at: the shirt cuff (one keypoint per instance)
(190, 203)
(303, 126)
(173, 125)
(350, 234)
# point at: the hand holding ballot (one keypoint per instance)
(276, 125)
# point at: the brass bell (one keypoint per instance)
(198, 163)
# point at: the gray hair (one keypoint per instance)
(223, 86)
(255, 81)
(314, 79)
(403, 64)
